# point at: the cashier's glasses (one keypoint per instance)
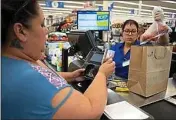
(130, 32)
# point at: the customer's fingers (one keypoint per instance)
(109, 60)
(106, 59)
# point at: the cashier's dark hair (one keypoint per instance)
(16, 11)
(131, 22)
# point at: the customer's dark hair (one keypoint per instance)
(16, 11)
(131, 22)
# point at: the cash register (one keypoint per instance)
(90, 57)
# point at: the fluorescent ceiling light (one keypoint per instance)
(52, 13)
(56, 11)
(120, 11)
(115, 10)
(128, 8)
(146, 13)
(65, 6)
(42, 4)
(124, 2)
(169, 13)
(98, 5)
(131, 3)
(123, 7)
(47, 8)
(169, 2)
(146, 10)
(117, 13)
(75, 7)
(156, 6)
(73, 2)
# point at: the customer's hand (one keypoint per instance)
(77, 73)
(107, 68)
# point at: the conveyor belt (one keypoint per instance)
(161, 110)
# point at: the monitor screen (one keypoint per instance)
(73, 38)
(82, 41)
(93, 20)
(96, 58)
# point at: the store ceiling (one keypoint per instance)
(169, 7)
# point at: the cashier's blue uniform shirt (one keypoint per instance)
(119, 58)
(28, 90)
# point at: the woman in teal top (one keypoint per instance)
(30, 91)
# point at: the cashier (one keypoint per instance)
(122, 50)
(130, 37)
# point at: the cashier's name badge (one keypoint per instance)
(126, 63)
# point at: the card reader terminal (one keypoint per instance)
(92, 64)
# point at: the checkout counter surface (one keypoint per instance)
(150, 104)
(133, 98)
(140, 101)
(157, 105)
(137, 100)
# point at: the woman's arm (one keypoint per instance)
(89, 105)
(68, 76)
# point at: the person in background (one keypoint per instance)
(30, 91)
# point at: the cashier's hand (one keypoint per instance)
(108, 67)
(77, 74)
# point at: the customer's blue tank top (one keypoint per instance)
(27, 90)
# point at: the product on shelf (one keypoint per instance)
(53, 52)
(57, 36)
(117, 25)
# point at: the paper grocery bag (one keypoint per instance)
(149, 69)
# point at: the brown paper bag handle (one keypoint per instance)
(159, 58)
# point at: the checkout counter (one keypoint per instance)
(160, 106)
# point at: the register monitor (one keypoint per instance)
(93, 20)
(83, 41)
